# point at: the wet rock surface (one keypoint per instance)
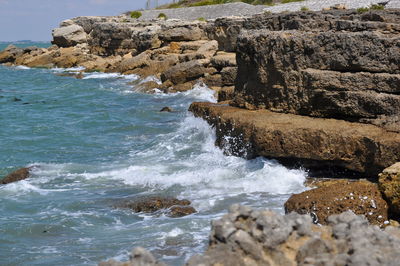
(313, 141)
(18, 175)
(361, 197)
(389, 185)
(246, 236)
(170, 206)
(138, 257)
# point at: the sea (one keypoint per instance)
(96, 141)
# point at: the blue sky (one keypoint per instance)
(34, 19)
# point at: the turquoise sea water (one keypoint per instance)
(95, 141)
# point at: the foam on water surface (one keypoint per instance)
(93, 144)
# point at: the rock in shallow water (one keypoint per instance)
(173, 207)
(16, 176)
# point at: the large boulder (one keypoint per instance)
(16, 176)
(69, 36)
(361, 197)
(389, 185)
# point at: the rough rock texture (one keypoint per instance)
(359, 147)
(16, 176)
(139, 257)
(361, 197)
(389, 185)
(250, 237)
(10, 54)
(174, 207)
(69, 36)
(324, 65)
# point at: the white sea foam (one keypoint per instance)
(202, 92)
(22, 67)
(205, 173)
(100, 75)
(151, 78)
(71, 69)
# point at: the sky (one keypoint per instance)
(34, 19)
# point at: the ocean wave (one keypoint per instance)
(100, 75)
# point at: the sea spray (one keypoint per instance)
(97, 141)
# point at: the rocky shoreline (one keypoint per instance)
(314, 89)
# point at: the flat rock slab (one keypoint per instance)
(359, 147)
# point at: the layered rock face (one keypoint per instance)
(250, 237)
(338, 64)
(313, 141)
(345, 66)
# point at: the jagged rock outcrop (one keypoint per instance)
(361, 197)
(313, 141)
(389, 184)
(261, 237)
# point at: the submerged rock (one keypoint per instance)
(166, 109)
(172, 207)
(16, 176)
(389, 185)
(361, 197)
(139, 257)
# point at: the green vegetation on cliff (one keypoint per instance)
(191, 3)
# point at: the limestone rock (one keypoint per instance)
(361, 197)
(187, 71)
(245, 236)
(69, 35)
(16, 176)
(342, 72)
(389, 185)
(222, 59)
(311, 141)
(228, 75)
(10, 54)
(226, 93)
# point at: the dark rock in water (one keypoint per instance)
(139, 257)
(180, 211)
(178, 207)
(15, 99)
(166, 109)
(335, 197)
(17, 175)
